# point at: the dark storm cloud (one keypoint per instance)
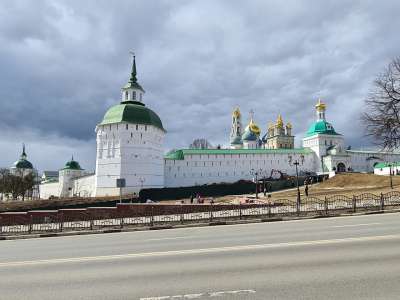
(63, 62)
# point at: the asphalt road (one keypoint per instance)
(337, 258)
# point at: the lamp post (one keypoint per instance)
(390, 175)
(297, 163)
(255, 173)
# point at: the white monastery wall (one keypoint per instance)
(46, 190)
(84, 186)
(198, 169)
(364, 161)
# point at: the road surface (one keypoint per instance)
(337, 258)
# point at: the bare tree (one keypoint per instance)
(381, 116)
(200, 144)
(16, 185)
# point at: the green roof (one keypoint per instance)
(321, 127)
(133, 84)
(386, 165)
(23, 164)
(180, 154)
(237, 141)
(249, 135)
(72, 165)
(132, 112)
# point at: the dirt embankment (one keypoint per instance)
(345, 184)
(358, 180)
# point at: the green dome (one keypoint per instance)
(23, 164)
(321, 127)
(72, 165)
(237, 140)
(249, 135)
(132, 112)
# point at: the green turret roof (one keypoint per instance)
(72, 165)
(321, 127)
(23, 163)
(133, 112)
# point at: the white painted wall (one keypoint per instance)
(130, 151)
(84, 186)
(46, 190)
(199, 169)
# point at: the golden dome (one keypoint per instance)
(236, 113)
(279, 122)
(320, 106)
(254, 127)
(289, 125)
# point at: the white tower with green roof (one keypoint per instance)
(129, 144)
(71, 170)
(321, 137)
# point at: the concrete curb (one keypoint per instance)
(177, 226)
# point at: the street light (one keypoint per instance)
(390, 174)
(297, 163)
(255, 173)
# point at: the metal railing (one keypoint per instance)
(124, 215)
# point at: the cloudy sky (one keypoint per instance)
(62, 64)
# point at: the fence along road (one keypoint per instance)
(160, 214)
(334, 258)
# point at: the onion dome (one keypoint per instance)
(251, 132)
(321, 126)
(279, 121)
(237, 140)
(236, 113)
(320, 106)
(23, 163)
(72, 165)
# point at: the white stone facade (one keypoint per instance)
(130, 151)
(232, 165)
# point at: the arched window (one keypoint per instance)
(133, 95)
(126, 95)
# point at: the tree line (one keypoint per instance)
(16, 186)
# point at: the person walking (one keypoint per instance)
(306, 189)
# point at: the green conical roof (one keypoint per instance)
(132, 83)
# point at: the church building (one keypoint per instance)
(130, 147)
